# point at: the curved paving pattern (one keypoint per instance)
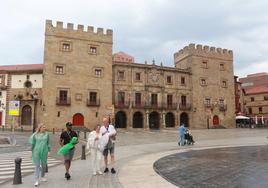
(223, 167)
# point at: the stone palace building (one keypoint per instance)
(81, 81)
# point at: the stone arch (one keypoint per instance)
(120, 119)
(26, 115)
(154, 120)
(137, 121)
(170, 119)
(184, 119)
(216, 120)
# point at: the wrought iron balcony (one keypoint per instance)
(185, 107)
(63, 102)
(208, 105)
(172, 106)
(93, 103)
(138, 104)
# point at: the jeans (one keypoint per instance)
(39, 169)
(182, 140)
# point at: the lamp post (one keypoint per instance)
(35, 98)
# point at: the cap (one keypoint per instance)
(69, 124)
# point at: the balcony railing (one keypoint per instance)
(93, 103)
(172, 106)
(185, 107)
(222, 107)
(208, 105)
(138, 104)
(65, 102)
(122, 104)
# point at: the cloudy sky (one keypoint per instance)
(151, 29)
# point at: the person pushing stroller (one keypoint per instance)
(188, 137)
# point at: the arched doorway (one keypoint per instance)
(26, 115)
(184, 119)
(78, 119)
(154, 120)
(170, 120)
(120, 120)
(216, 120)
(137, 120)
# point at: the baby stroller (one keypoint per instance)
(188, 138)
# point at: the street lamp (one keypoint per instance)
(35, 98)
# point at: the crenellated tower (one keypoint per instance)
(77, 75)
(212, 84)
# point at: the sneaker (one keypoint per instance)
(113, 171)
(43, 179)
(67, 176)
(106, 170)
(36, 184)
(94, 173)
(99, 172)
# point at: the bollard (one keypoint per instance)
(83, 155)
(21, 128)
(17, 173)
(85, 135)
(78, 133)
(3, 128)
(53, 130)
(46, 170)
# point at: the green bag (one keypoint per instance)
(67, 147)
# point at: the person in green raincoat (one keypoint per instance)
(40, 151)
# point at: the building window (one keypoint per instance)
(1, 79)
(182, 80)
(121, 75)
(224, 83)
(59, 69)
(63, 95)
(205, 64)
(137, 99)
(93, 50)
(252, 99)
(93, 97)
(169, 100)
(222, 66)
(138, 76)
(121, 98)
(183, 100)
(169, 79)
(154, 99)
(58, 114)
(208, 102)
(66, 47)
(98, 73)
(221, 102)
(250, 110)
(260, 110)
(0, 94)
(203, 82)
(265, 98)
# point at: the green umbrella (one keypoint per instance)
(67, 147)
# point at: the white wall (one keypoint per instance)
(17, 81)
(3, 107)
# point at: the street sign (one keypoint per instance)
(14, 108)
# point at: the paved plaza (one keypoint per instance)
(137, 151)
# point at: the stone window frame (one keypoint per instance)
(203, 81)
(260, 110)
(64, 49)
(119, 77)
(204, 64)
(208, 101)
(169, 82)
(184, 81)
(135, 77)
(222, 66)
(252, 99)
(265, 98)
(68, 100)
(59, 65)
(224, 83)
(93, 91)
(100, 69)
(93, 49)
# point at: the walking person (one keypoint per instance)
(182, 130)
(65, 138)
(110, 147)
(40, 151)
(96, 143)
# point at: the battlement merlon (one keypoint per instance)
(80, 32)
(203, 51)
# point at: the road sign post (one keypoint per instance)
(14, 109)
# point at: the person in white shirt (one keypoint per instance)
(109, 130)
(96, 143)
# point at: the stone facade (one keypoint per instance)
(83, 82)
(76, 63)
